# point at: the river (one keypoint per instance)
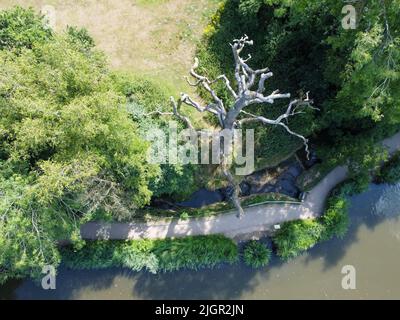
(372, 246)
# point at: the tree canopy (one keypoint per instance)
(68, 147)
(352, 75)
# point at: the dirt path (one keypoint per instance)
(256, 219)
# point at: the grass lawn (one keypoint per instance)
(156, 38)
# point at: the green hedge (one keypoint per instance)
(154, 255)
(297, 236)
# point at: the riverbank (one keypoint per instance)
(256, 219)
(314, 275)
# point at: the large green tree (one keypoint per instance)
(68, 146)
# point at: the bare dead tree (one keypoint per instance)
(247, 93)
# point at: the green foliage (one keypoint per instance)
(358, 184)
(66, 123)
(265, 197)
(335, 219)
(176, 181)
(211, 210)
(352, 75)
(249, 7)
(93, 255)
(24, 247)
(365, 160)
(80, 37)
(362, 153)
(143, 92)
(22, 28)
(195, 252)
(143, 96)
(256, 254)
(67, 147)
(154, 255)
(297, 236)
(390, 171)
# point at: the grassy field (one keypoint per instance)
(156, 38)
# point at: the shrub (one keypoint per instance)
(356, 185)
(143, 91)
(80, 37)
(298, 236)
(21, 28)
(256, 254)
(93, 255)
(154, 255)
(335, 219)
(347, 188)
(294, 237)
(194, 252)
(390, 171)
(136, 256)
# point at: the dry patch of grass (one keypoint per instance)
(152, 37)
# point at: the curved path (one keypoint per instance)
(256, 219)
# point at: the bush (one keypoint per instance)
(80, 37)
(256, 254)
(298, 236)
(93, 255)
(354, 185)
(21, 28)
(335, 219)
(194, 252)
(143, 92)
(154, 255)
(390, 171)
(137, 255)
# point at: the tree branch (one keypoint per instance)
(175, 108)
(246, 77)
(291, 110)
